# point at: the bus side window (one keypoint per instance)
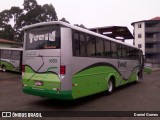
(91, 46)
(124, 51)
(107, 48)
(133, 53)
(136, 54)
(82, 45)
(114, 50)
(127, 52)
(131, 50)
(99, 47)
(15, 55)
(76, 44)
(6, 54)
(119, 51)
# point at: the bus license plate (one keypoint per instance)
(38, 83)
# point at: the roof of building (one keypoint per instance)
(150, 20)
(155, 18)
(7, 41)
(114, 31)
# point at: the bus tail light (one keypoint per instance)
(74, 85)
(23, 68)
(63, 70)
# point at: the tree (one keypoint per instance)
(49, 12)
(5, 16)
(6, 30)
(81, 25)
(12, 21)
(29, 5)
(63, 20)
(37, 13)
(16, 13)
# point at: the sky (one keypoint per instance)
(98, 13)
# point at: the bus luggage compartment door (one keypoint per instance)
(42, 72)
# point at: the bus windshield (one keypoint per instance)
(43, 38)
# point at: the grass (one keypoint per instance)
(147, 70)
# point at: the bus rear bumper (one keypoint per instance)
(64, 95)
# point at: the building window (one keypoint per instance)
(139, 35)
(139, 26)
(139, 45)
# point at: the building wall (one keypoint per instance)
(153, 42)
(139, 34)
(147, 37)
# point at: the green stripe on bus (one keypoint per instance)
(51, 82)
(94, 80)
(48, 93)
(87, 82)
(8, 65)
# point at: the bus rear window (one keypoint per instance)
(43, 38)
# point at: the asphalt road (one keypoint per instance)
(144, 96)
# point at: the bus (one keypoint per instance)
(62, 61)
(11, 59)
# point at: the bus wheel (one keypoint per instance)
(3, 68)
(110, 86)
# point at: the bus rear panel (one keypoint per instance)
(43, 70)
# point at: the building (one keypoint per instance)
(8, 43)
(117, 32)
(147, 37)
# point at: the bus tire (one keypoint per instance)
(3, 68)
(110, 86)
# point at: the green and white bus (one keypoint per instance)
(11, 59)
(67, 62)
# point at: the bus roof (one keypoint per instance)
(79, 29)
(5, 48)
